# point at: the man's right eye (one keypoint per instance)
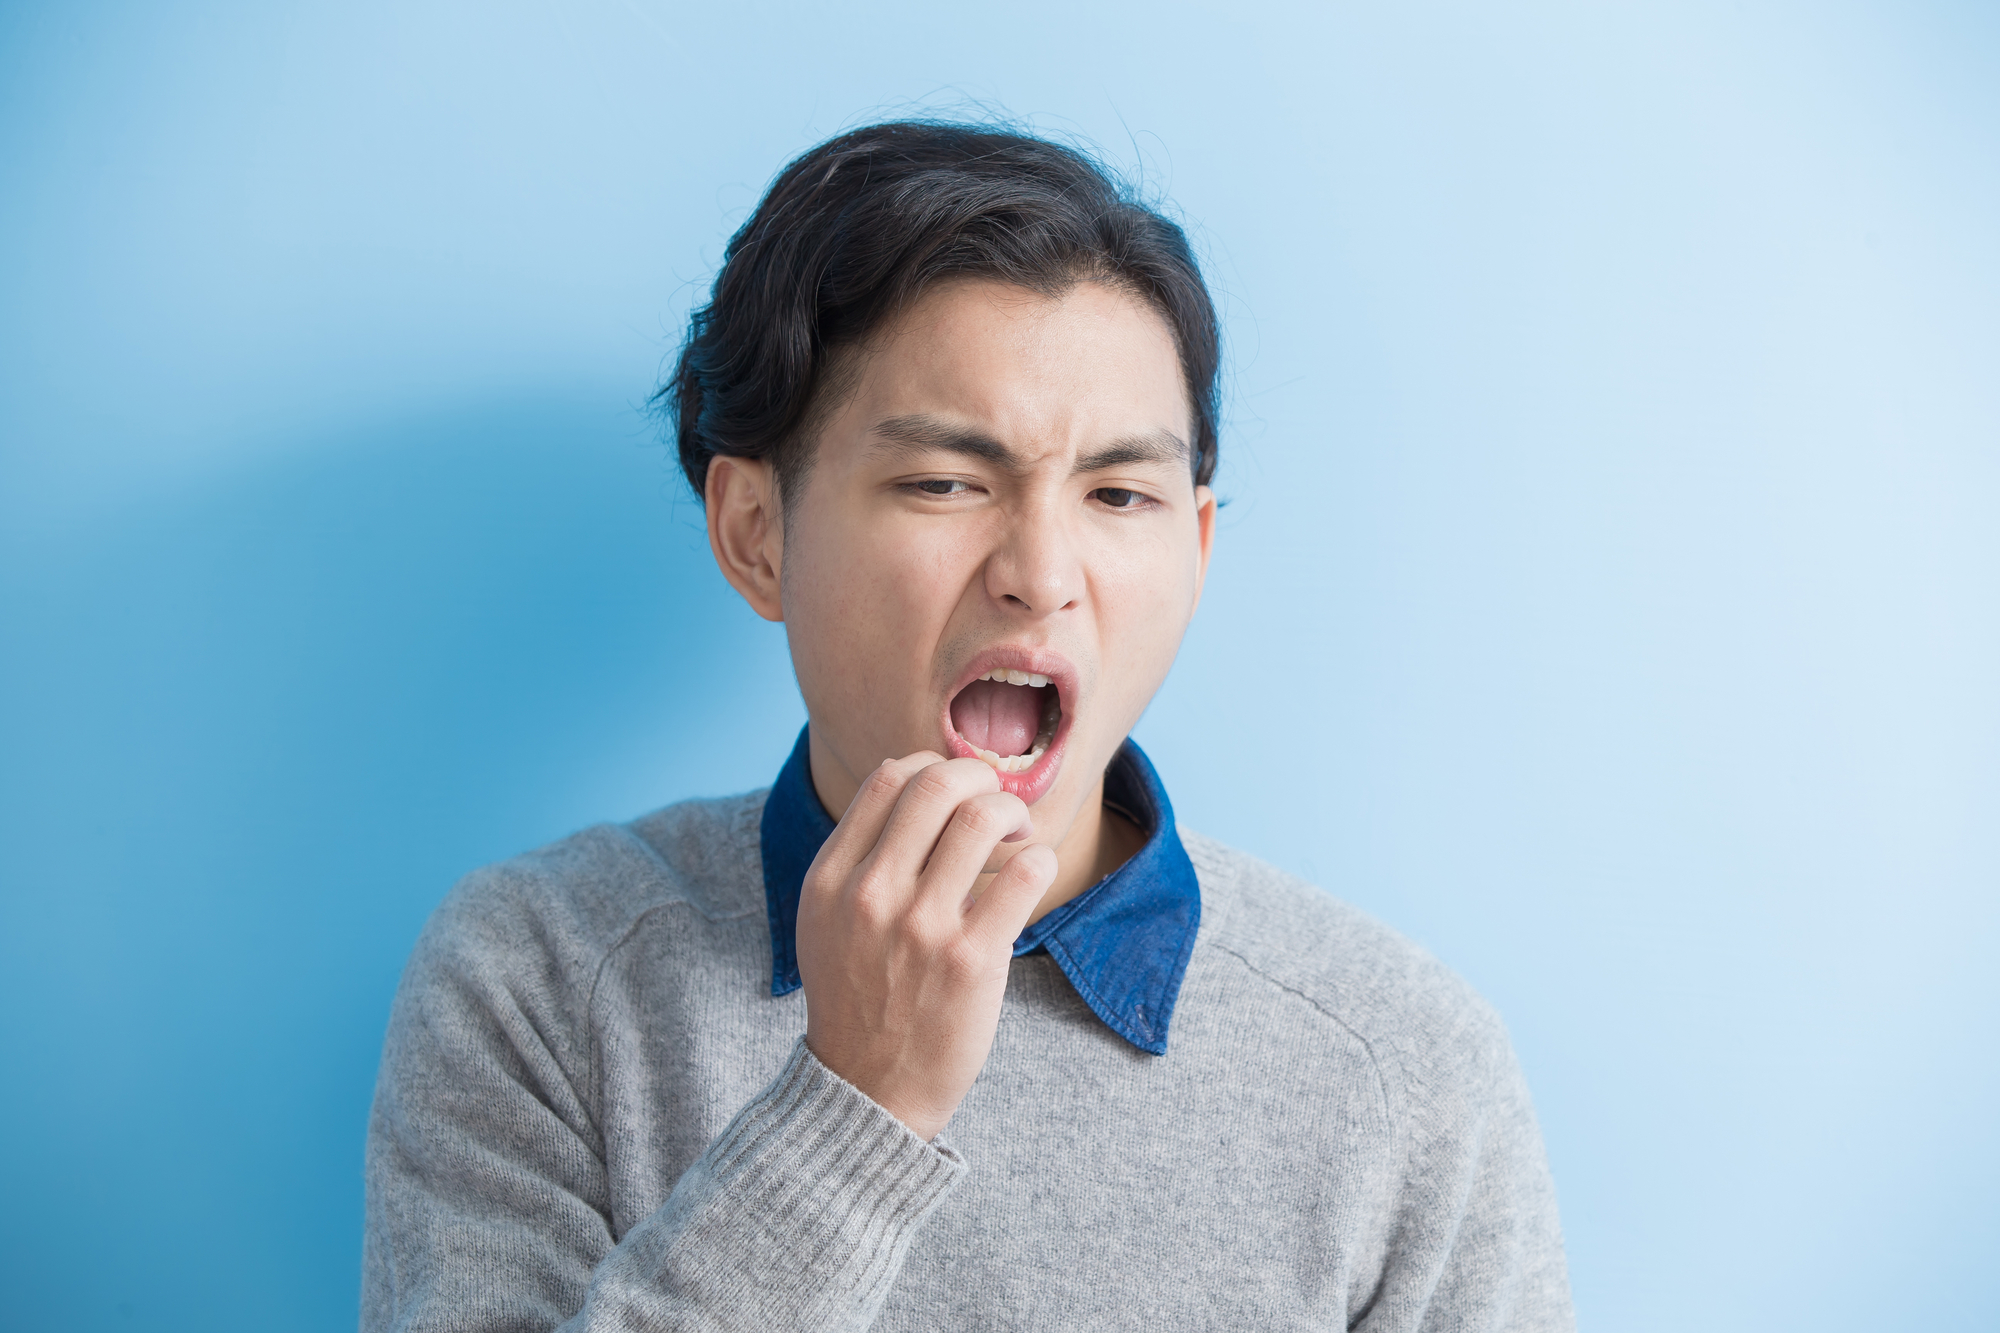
(940, 486)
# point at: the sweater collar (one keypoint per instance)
(1124, 943)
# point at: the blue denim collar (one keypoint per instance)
(1124, 943)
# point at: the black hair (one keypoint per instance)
(856, 229)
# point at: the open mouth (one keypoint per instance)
(1012, 718)
(1009, 718)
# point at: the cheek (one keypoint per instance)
(866, 604)
(1149, 583)
(1144, 596)
(897, 575)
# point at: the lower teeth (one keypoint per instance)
(1013, 763)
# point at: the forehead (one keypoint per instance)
(1043, 373)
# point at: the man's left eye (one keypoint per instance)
(1117, 496)
(941, 486)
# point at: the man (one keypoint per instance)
(951, 411)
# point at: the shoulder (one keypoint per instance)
(498, 992)
(569, 903)
(1468, 1222)
(1429, 1032)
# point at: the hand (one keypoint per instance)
(903, 968)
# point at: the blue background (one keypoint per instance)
(1607, 597)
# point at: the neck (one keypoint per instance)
(1097, 843)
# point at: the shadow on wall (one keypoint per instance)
(253, 736)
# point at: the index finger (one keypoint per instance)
(855, 836)
(930, 801)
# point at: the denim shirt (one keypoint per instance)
(1123, 943)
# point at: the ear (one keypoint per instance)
(746, 531)
(1204, 517)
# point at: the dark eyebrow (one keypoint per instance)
(909, 434)
(1160, 446)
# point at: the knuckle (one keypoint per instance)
(962, 956)
(920, 934)
(887, 778)
(1034, 863)
(874, 896)
(982, 818)
(936, 782)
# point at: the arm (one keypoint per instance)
(1474, 1242)
(488, 1207)
(488, 1199)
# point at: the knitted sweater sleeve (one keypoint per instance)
(488, 1203)
(1473, 1239)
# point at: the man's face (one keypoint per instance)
(1004, 494)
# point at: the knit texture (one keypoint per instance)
(593, 1115)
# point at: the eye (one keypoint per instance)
(1118, 497)
(941, 486)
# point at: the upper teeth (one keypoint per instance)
(1007, 676)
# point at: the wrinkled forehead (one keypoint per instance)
(981, 363)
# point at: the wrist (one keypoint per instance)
(887, 1086)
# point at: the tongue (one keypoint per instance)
(998, 717)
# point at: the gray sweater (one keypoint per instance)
(593, 1115)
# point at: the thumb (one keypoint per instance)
(1000, 913)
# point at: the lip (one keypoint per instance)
(1030, 784)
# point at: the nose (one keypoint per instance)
(1036, 567)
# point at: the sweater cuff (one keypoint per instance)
(800, 1213)
(813, 1143)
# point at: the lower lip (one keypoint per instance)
(1030, 784)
